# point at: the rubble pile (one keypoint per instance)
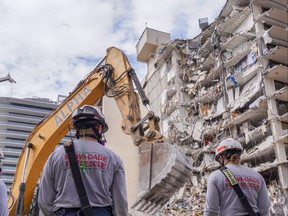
(278, 200)
(229, 81)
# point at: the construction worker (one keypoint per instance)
(221, 198)
(101, 169)
(3, 193)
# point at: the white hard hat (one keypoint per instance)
(228, 144)
(1, 154)
(88, 116)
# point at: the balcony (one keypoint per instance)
(276, 36)
(256, 112)
(278, 73)
(243, 77)
(277, 54)
(236, 40)
(9, 162)
(281, 94)
(260, 153)
(255, 135)
(249, 93)
(229, 6)
(274, 17)
(279, 4)
(283, 139)
(234, 20)
(24, 110)
(12, 152)
(14, 134)
(283, 118)
(238, 56)
(15, 126)
(21, 118)
(149, 41)
(12, 143)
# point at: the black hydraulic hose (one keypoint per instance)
(22, 187)
(20, 202)
(138, 85)
(35, 210)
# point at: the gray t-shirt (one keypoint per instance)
(221, 199)
(3, 199)
(102, 173)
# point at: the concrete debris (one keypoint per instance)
(198, 129)
(278, 200)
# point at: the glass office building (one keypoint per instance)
(18, 117)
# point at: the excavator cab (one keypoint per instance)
(163, 168)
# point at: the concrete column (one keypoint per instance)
(277, 131)
(275, 124)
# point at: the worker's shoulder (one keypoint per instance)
(243, 170)
(95, 146)
(56, 154)
(112, 153)
(2, 184)
(237, 167)
(56, 151)
(214, 175)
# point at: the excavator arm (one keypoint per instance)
(163, 169)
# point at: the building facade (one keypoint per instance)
(18, 117)
(229, 81)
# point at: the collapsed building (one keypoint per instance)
(229, 81)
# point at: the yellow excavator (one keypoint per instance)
(163, 169)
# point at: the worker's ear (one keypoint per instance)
(221, 158)
(100, 128)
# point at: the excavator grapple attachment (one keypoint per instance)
(163, 171)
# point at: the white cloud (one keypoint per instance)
(48, 46)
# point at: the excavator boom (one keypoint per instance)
(163, 169)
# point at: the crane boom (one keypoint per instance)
(7, 78)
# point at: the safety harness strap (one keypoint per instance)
(86, 207)
(229, 175)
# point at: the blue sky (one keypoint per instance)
(48, 46)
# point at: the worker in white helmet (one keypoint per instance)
(3, 193)
(102, 172)
(221, 197)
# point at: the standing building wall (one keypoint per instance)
(229, 81)
(122, 144)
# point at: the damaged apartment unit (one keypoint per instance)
(229, 81)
